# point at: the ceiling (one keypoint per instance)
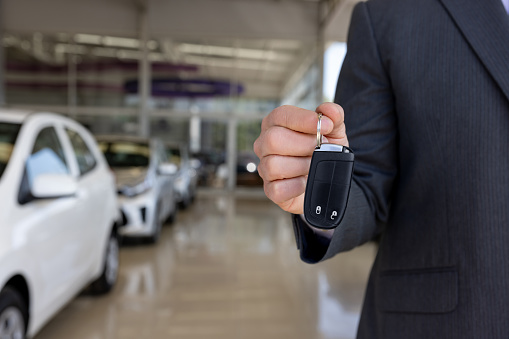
(257, 43)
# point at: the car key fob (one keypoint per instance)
(328, 185)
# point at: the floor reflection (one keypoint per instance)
(228, 268)
(334, 321)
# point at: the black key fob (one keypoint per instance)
(328, 185)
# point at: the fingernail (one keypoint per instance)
(327, 124)
(338, 107)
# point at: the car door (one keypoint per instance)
(95, 188)
(51, 236)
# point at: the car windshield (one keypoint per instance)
(126, 153)
(174, 155)
(8, 134)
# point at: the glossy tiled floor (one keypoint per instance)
(227, 268)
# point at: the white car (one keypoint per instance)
(57, 222)
(145, 184)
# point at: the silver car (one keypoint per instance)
(145, 184)
(187, 177)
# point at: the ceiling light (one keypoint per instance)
(112, 41)
(255, 65)
(91, 39)
(70, 48)
(245, 53)
(152, 44)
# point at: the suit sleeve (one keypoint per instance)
(365, 93)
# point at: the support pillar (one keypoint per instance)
(320, 50)
(144, 73)
(195, 131)
(2, 63)
(231, 152)
(231, 130)
(72, 84)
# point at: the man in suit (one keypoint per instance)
(425, 93)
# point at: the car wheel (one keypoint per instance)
(13, 314)
(184, 204)
(111, 262)
(158, 225)
(173, 215)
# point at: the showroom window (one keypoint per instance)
(85, 158)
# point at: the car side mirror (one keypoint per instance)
(167, 169)
(47, 186)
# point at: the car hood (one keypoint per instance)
(130, 176)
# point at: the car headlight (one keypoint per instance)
(132, 191)
(251, 167)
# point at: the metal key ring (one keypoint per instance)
(319, 131)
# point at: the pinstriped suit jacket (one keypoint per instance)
(425, 88)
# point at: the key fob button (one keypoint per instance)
(334, 215)
(319, 199)
(341, 174)
(324, 171)
(337, 199)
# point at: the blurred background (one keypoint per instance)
(201, 74)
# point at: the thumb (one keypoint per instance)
(335, 132)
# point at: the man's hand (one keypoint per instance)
(285, 147)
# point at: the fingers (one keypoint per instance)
(305, 121)
(278, 167)
(287, 193)
(282, 141)
(285, 180)
(297, 119)
(335, 112)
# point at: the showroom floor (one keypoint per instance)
(227, 268)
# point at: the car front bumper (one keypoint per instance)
(137, 214)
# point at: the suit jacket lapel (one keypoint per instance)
(485, 25)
